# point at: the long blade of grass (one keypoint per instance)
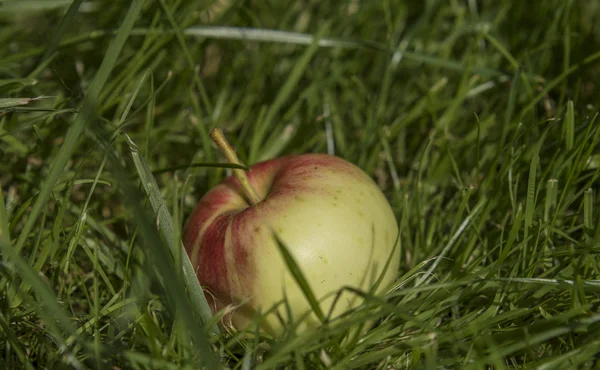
(588, 213)
(502, 49)
(162, 258)
(296, 272)
(269, 35)
(531, 185)
(166, 229)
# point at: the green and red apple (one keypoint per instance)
(332, 217)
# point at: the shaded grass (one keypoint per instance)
(477, 119)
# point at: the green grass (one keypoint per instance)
(476, 118)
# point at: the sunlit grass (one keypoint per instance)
(476, 118)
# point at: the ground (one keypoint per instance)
(477, 119)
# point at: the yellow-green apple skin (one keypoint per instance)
(332, 217)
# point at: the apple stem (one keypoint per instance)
(217, 136)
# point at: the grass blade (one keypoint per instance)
(6, 103)
(551, 197)
(531, 185)
(166, 228)
(267, 35)
(505, 53)
(177, 299)
(298, 276)
(569, 126)
(588, 213)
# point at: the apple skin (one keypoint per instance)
(332, 217)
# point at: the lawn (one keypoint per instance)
(476, 118)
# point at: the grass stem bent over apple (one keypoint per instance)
(332, 217)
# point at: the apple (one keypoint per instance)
(331, 216)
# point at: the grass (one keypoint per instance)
(478, 119)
